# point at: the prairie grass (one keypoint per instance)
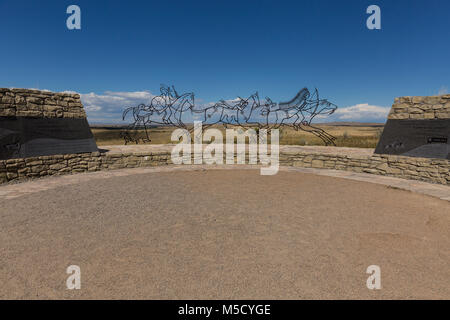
(358, 136)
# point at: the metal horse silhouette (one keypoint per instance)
(173, 109)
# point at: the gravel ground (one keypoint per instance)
(220, 234)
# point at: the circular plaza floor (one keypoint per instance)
(224, 234)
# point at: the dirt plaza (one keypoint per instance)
(183, 235)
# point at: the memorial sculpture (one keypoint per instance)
(417, 127)
(173, 109)
(40, 123)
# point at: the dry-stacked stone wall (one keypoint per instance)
(40, 104)
(64, 111)
(432, 107)
(418, 127)
(41, 123)
(429, 170)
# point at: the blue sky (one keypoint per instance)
(221, 49)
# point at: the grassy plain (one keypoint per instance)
(358, 135)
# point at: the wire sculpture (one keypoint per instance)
(171, 109)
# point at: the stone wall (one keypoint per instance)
(417, 127)
(432, 107)
(429, 170)
(423, 169)
(40, 104)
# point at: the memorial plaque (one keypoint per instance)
(418, 128)
(45, 133)
(32, 137)
(416, 138)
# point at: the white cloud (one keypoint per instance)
(46, 90)
(108, 107)
(362, 112)
(443, 90)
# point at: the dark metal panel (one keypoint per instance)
(22, 137)
(416, 138)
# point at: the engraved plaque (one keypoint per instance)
(22, 137)
(416, 138)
